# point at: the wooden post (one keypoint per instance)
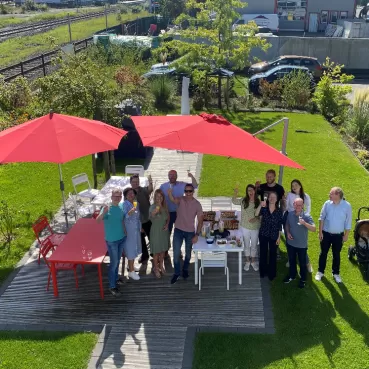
(94, 171)
(106, 165)
(112, 163)
(70, 29)
(219, 91)
(43, 64)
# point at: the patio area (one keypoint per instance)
(149, 322)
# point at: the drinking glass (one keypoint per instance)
(89, 254)
(189, 169)
(265, 197)
(83, 252)
(135, 205)
(300, 218)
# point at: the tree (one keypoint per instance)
(207, 36)
(81, 87)
(331, 92)
(172, 8)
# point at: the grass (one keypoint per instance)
(325, 325)
(31, 190)
(15, 19)
(45, 350)
(17, 49)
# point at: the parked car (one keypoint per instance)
(302, 61)
(275, 74)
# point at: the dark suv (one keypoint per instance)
(300, 61)
(275, 74)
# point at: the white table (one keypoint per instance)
(202, 246)
(115, 182)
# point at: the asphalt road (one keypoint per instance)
(359, 85)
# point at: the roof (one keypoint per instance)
(297, 56)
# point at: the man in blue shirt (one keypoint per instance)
(178, 188)
(113, 216)
(334, 227)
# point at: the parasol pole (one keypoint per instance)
(63, 196)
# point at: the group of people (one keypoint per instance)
(266, 211)
(127, 223)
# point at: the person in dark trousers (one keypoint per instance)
(143, 199)
(177, 188)
(263, 189)
(297, 226)
(334, 227)
(269, 235)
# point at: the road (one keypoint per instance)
(361, 84)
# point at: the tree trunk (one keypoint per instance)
(94, 172)
(112, 163)
(219, 92)
(106, 165)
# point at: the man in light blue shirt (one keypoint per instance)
(334, 227)
(178, 188)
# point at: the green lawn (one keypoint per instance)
(17, 49)
(45, 350)
(325, 325)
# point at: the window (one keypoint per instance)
(324, 17)
(334, 17)
(292, 10)
(307, 63)
(344, 15)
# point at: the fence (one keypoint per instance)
(41, 65)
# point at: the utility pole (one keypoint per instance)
(70, 29)
(106, 19)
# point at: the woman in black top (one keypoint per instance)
(269, 235)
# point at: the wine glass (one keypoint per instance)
(135, 205)
(83, 252)
(89, 254)
(189, 169)
(265, 197)
(300, 218)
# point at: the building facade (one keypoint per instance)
(303, 15)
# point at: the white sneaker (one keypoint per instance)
(319, 276)
(246, 268)
(337, 278)
(255, 266)
(133, 275)
(287, 264)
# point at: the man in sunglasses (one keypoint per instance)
(188, 208)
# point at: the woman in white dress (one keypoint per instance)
(297, 191)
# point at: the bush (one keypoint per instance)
(163, 89)
(330, 94)
(198, 101)
(296, 90)
(270, 91)
(358, 120)
(4, 9)
(30, 5)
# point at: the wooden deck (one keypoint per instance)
(150, 318)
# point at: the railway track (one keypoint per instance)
(46, 25)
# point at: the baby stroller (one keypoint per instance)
(361, 248)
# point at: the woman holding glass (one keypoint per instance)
(250, 224)
(269, 235)
(297, 191)
(132, 243)
(159, 234)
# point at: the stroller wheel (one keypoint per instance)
(351, 252)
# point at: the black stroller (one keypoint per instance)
(361, 248)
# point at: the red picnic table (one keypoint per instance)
(84, 244)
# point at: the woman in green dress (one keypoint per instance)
(159, 235)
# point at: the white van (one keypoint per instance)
(270, 21)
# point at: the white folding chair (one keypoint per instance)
(89, 192)
(213, 260)
(135, 169)
(80, 211)
(221, 203)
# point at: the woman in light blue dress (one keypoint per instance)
(132, 243)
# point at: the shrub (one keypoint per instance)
(330, 94)
(163, 89)
(30, 5)
(3, 9)
(15, 94)
(198, 101)
(296, 90)
(358, 120)
(270, 91)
